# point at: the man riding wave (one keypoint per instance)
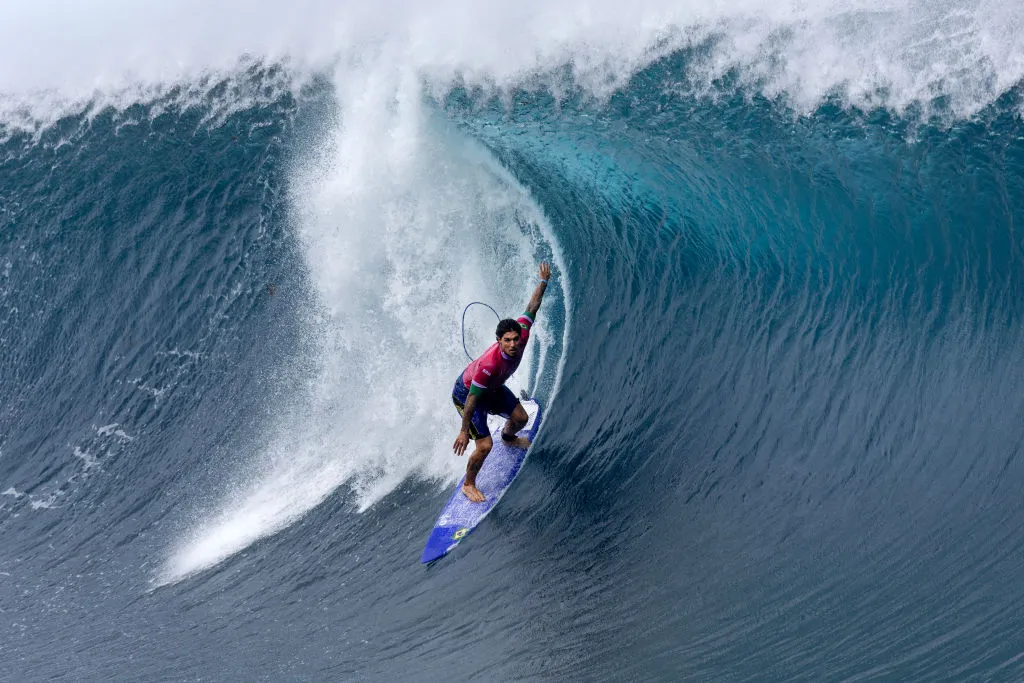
(480, 390)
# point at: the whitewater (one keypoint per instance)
(779, 357)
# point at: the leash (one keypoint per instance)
(473, 303)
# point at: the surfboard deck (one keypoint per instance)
(460, 516)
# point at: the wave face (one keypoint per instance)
(779, 361)
(787, 439)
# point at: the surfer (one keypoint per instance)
(480, 390)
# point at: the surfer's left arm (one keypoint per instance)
(544, 273)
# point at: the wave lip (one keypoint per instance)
(873, 54)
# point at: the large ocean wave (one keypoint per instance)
(779, 362)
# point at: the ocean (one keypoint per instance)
(779, 356)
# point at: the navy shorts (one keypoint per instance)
(500, 401)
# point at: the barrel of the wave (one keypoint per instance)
(460, 516)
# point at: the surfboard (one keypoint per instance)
(459, 516)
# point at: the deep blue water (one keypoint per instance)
(785, 444)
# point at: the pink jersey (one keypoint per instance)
(493, 368)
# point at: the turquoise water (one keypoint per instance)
(779, 363)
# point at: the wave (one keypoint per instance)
(396, 238)
(780, 361)
(872, 54)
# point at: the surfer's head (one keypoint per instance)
(509, 338)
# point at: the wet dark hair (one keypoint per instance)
(508, 325)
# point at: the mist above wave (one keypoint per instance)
(869, 53)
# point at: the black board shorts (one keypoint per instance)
(500, 401)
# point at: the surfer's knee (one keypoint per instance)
(519, 415)
(484, 445)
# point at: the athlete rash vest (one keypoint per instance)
(493, 367)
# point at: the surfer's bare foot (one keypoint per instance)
(518, 442)
(473, 493)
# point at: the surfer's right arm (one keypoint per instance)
(544, 274)
(462, 440)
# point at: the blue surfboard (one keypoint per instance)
(460, 516)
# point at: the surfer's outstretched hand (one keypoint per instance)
(544, 271)
(461, 441)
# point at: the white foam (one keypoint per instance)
(47, 503)
(403, 222)
(114, 429)
(88, 459)
(56, 57)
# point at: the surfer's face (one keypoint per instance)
(510, 343)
